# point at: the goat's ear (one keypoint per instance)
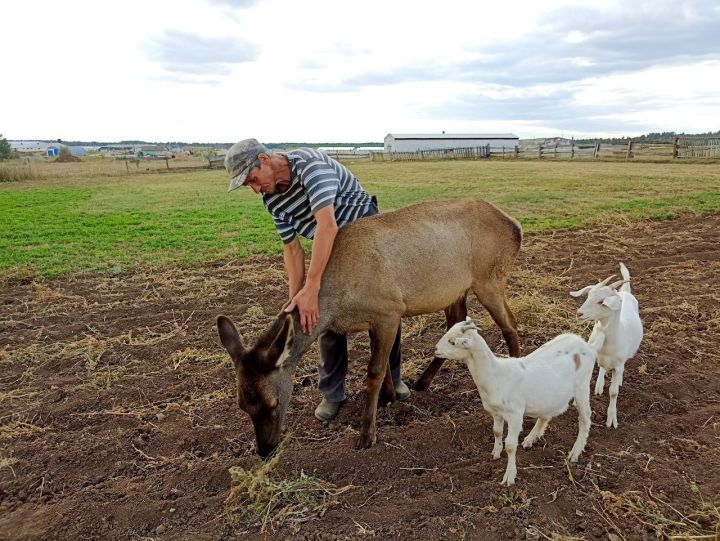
(582, 291)
(230, 338)
(613, 302)
(281, 343)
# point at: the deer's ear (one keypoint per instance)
(280, 346)
(230, 338)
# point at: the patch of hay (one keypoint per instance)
(258, 499)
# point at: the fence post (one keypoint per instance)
(517, 152)
(596, 150)
(127, 167)
(627, 157)
(539, 151)
(675, 147)
(572, 149)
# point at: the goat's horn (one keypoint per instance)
(606, 280)
(469, 325)
(617, 284)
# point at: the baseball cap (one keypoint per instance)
(240, 159)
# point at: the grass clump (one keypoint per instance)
(663, 518)
(17, 173)
(258, 499)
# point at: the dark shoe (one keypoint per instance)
(327, 411)
(402, 391)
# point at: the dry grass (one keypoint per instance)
(662, 517)
(190, 355)
(16, 172)
(93, 167)
(258, 499)
(16, 427)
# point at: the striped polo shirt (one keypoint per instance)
(316, 181)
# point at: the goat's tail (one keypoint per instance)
(626, 278)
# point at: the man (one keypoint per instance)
(308, 193)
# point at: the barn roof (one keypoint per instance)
(454, 135)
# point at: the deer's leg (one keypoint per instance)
(492, 297)
(387, 392)
(381, 341)
(453, 314)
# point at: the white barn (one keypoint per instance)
(413, 142)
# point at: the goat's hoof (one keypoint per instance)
(385, 400)
(611, 423)
(508, 481)
(495, 455)
(527, 443)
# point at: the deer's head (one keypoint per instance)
(264, 379)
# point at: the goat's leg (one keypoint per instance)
(582, 403)
(600, 381)
(381, 341)
(493, 299)
(498, 425)
(617, 377)
(454, 313)
(511, 443)
(536, 433)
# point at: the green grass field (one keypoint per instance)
(63, 225)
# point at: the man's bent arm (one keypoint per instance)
(294, 257)
(323, 241)
(307, 298)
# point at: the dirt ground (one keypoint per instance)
(118, 416)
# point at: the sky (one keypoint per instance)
(334, 71)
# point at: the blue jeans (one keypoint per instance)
(334, 355)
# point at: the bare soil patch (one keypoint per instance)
(118, 418)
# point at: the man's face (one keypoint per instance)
(270, 177)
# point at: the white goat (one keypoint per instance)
(617, 317)
(539, 385)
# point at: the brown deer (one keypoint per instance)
(412, 261)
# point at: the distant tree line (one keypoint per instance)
(196, 144)
(665, 136)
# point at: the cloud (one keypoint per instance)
(556, 109)
(198, 55)
(573, 43)
(576, 43)
(235, 3)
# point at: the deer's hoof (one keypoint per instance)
(365, 442)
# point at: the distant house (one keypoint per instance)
(413, 142)
(154, 151)
(29, 147)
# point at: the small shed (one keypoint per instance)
(413, 142)
(52, 151)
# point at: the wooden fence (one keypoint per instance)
(467, 153)
(679, 147)
(697, 147)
